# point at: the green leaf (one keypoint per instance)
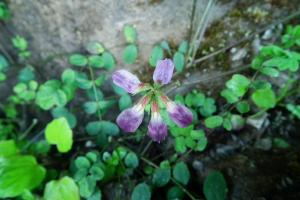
(282, 63)
(161, 176)
(100, 80)
(125, 102)
(3, 63)
(131, 160)
(68, 76)
(175, 193)
(96, 196)
(213, 121)
(269, 71)
(183, 47)
(63, 112)
(165, 45)
(238, 84)
(264, 98)
(87, 186)
(62, 189)
(50, 94)
(78, 60)
(181, 173)
(20, 43)
(8, 148)
(208, 108)
(156, 54)
(26, 74)
(243, 107)
(82, 162)
(229, 96)
(59, 133)
(97, 173)
(130, 54)
(96, 61)
(141, 192)
(178, 131)
(294, 109)
(118, 90)
(95, 47)
(215, 187)
(108, 61)
(199, 136)
(178, 60)
(83, 82)
(102, 127)
(130, 34)
(280, 143)
(2, 77)
(19, 173)
(180, 144)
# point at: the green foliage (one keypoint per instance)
(62, 189)
(236, 87)
(213, 121)
(131, 160)
(215, 187)
(78, 60)
(179, 62)
(109, 62)
(157, 53)
(3, 63)
(130, 34)
(175, 193)
(4, 11)
(8, 148)
(162, 175)
(188, 138)
(21, 45)
(59, 133)
(141, 192)
(125, 102)
(95, 48)
(181, 173)
(19, 173)
(130, 54)
(51, 94)
(63, 112)
(294, 109)
(264, 98)
(27, 74)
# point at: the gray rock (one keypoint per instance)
(56, 27)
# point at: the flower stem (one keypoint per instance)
(95, 92)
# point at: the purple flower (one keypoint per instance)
(131, 118)
(180, 114)
(157, 129)
(126, 80)
(163, 71)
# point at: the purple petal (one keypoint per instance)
(163, 71)
(180, 114)
(126, 80)
(131, 118)
(157, 129)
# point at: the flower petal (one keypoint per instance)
(130, 119)
(157, 129)
(163, 72)
(180, 114)
(126, 80)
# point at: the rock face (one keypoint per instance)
(54, 27)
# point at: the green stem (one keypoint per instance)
(27, 131)
(95, 92)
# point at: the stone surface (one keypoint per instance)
(57, 27)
